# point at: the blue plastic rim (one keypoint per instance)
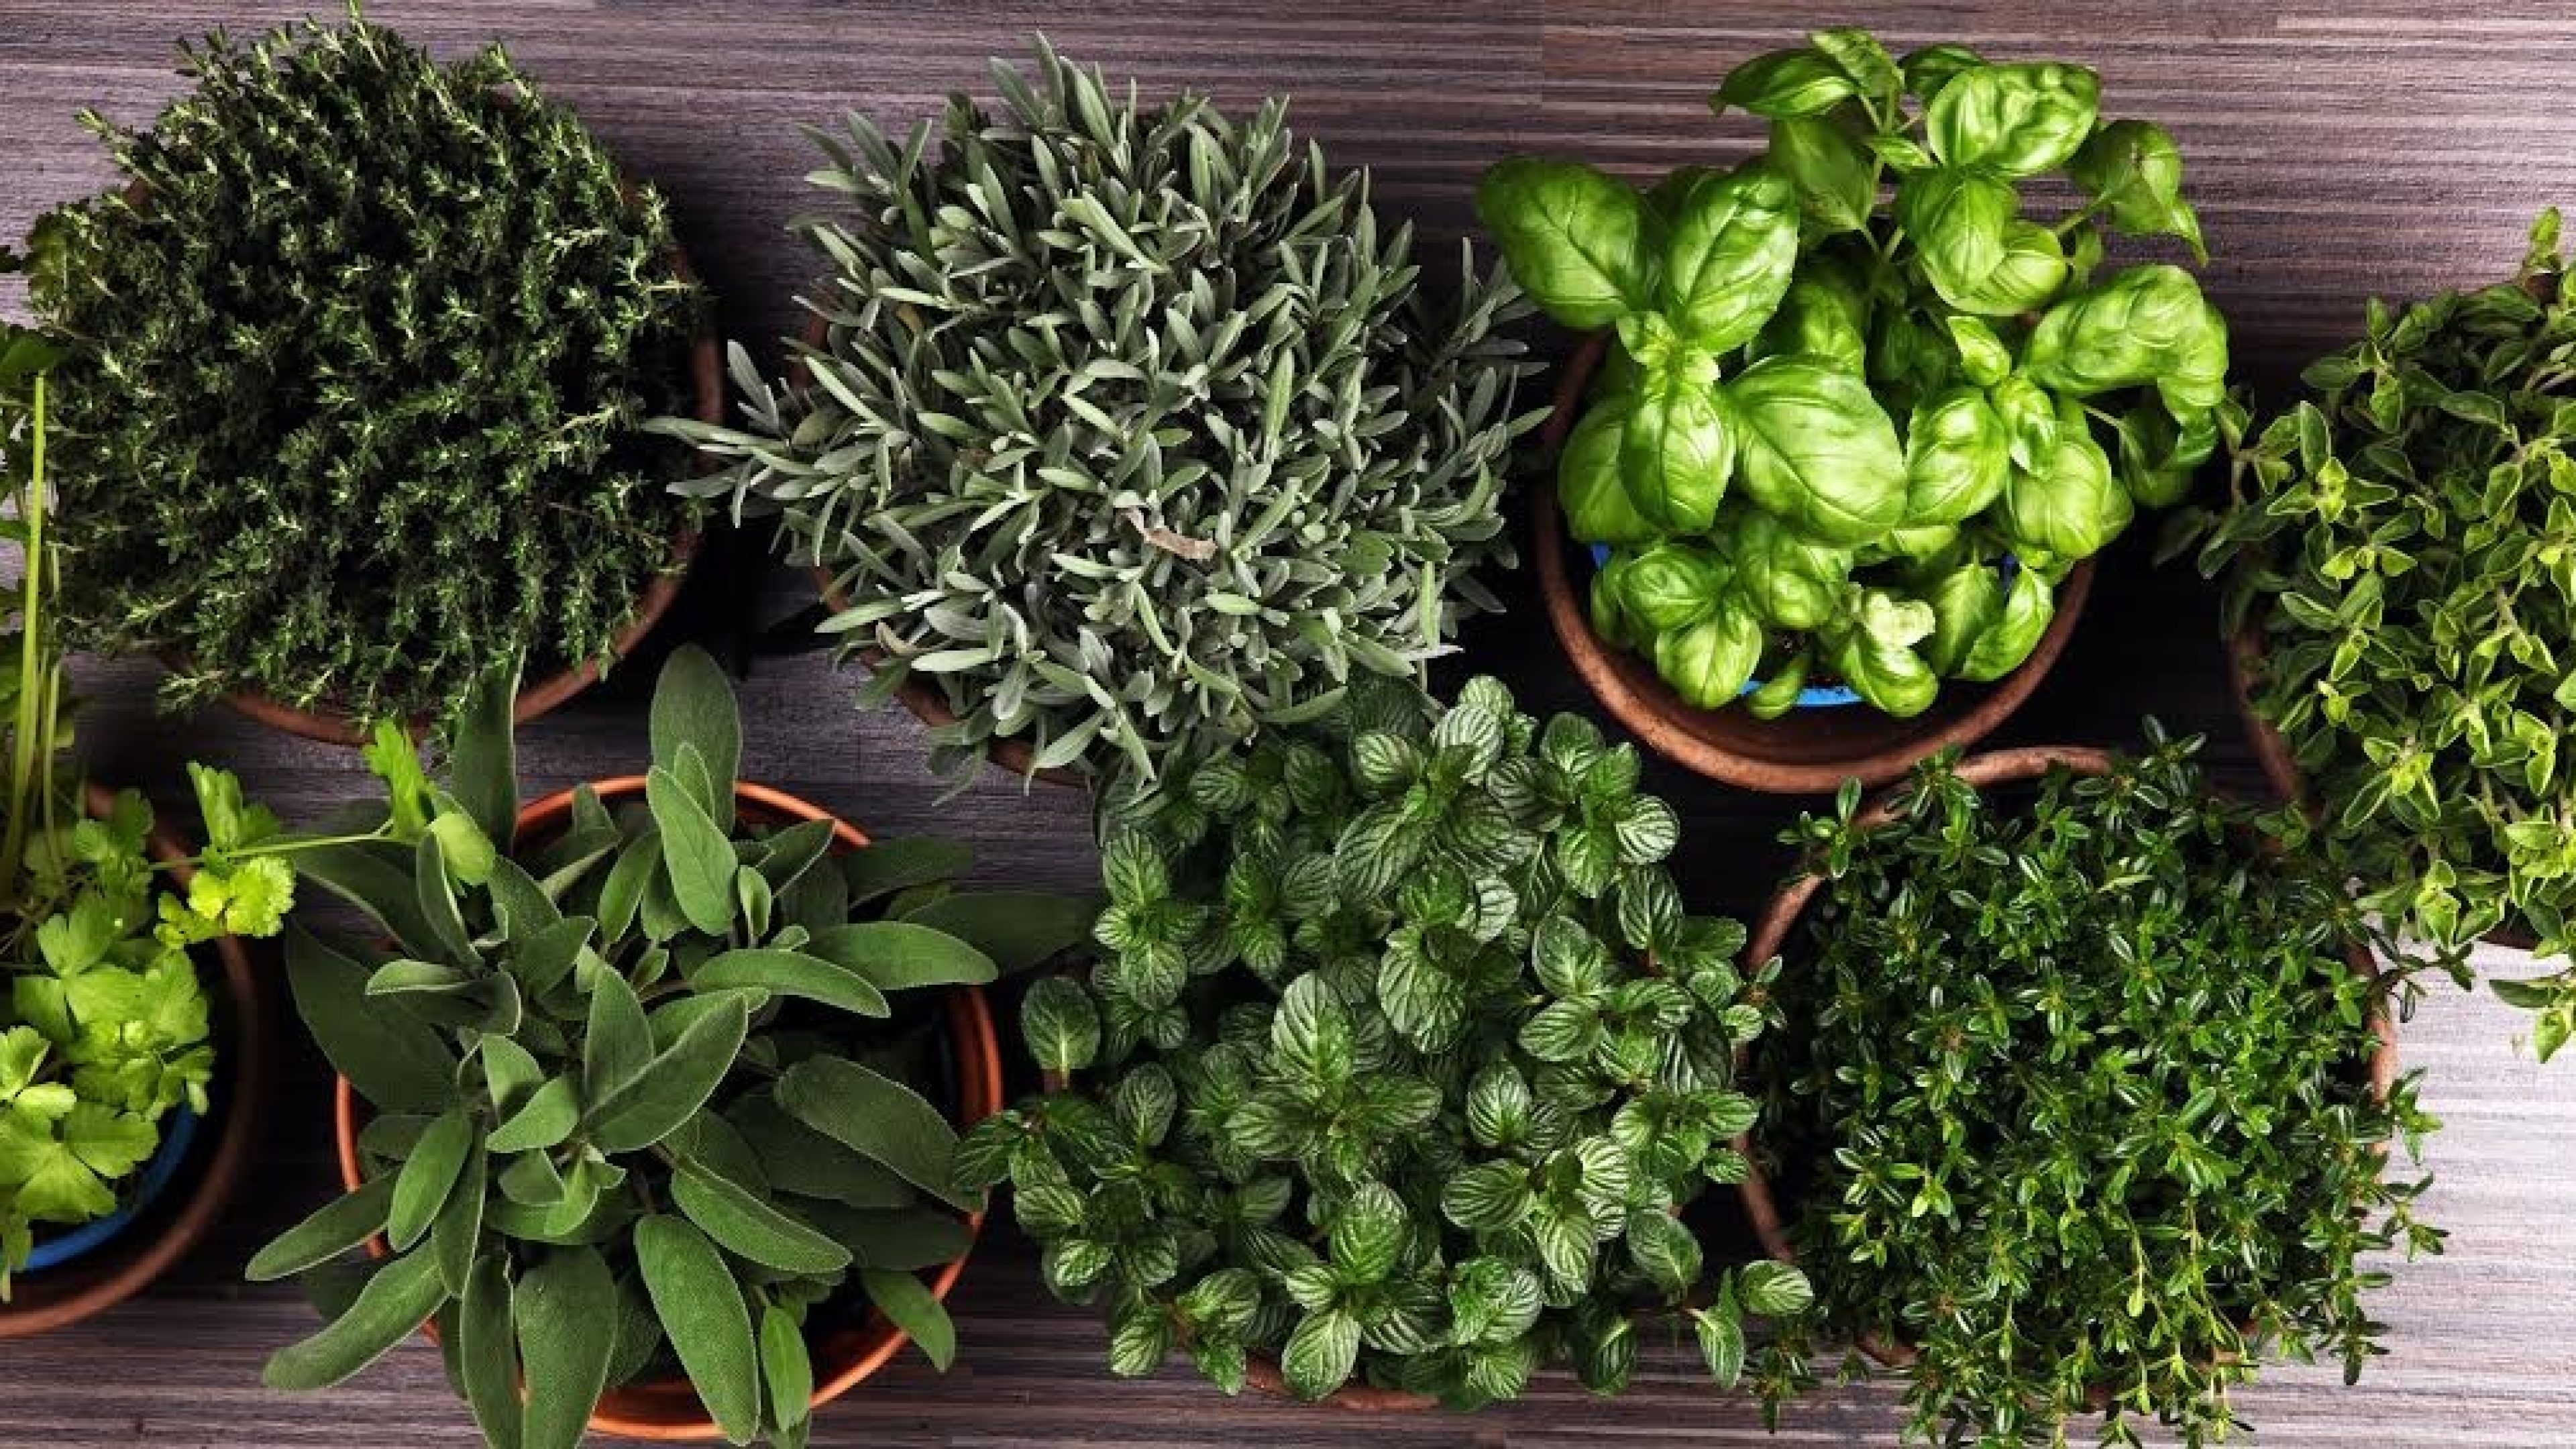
(1814, 696)
(177, 1135)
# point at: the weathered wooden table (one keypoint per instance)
(2336, 150)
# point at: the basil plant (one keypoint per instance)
(641, 1104)
(1401, 1065)
(1861, 414)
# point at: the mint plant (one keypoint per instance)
(643, 1103)
(2076, 1090)
(1862, 438)
(1401, 1063)
(2402, 542)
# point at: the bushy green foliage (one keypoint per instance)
(2404, 541)
(1132, 432)
(1401, 1064)
(104, 1027)
(1856, 438)
(2075, 1085)
(630, 1115)
(361, 356)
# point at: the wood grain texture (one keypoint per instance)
(2336, 150)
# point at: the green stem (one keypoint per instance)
(22, 760)
(279, 847)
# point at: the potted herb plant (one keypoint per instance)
(2083, 1097)
(133, 1032)
(1400, 1066)
(2400, 555)
(661, 1081)
(418, 443)
(1128, 430)
(1831, 448)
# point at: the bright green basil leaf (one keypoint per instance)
(2068, 509)
(2147, 325)
(2029, 605)
(1676, 453)
(1797, 82)
(1966, 602)
(1835, 175)
(1589, 484)
(2133, 172)
(1957, 458)
(1961, 223)
(1790, 581)
(2015, 120)
(1708, 662)
(1674, 585)
(1732, 245)
(1815, 448)
(1579, 242)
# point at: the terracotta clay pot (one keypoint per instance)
(2281, 768)
(670, 1409)
(1805, 751)
(1771, 936)
(166, 1231)
(706, 395)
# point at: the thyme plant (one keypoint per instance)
(360, 357)
(2075, 1090)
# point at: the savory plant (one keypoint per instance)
(392, 410)
(2076, 1080)
(1131, 433)
(2403, 544)
(104, 1027)
(1403, 1061)
(1847, 437)
(633, 1111)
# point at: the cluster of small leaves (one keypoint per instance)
(2404, 541)
(1406, 1058)
(2078, 1080)
(1863, 439)
(1131, 432)
(383, 337)
(627, 1116)
(104, 1024)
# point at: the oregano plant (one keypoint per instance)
(1402, 1061)
(2079, 1106)
(2400, 549)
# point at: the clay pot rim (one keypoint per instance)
(1789, 904)
(330, 727)
(1966, 712)
(128, 1263)
(2280, 766)
(669, 1410)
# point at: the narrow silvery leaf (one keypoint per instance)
(753, 1229)
(909, 1305)
(396, 1301)
(487, 1351)
(786, 1369)
(878, 1117)
(702, 1310)
(338, 1227)
(563, 1306)
(676, 1084)
(428, 1177)
(483, 769)
(696, 855)
(693, 704)
(812, 977)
